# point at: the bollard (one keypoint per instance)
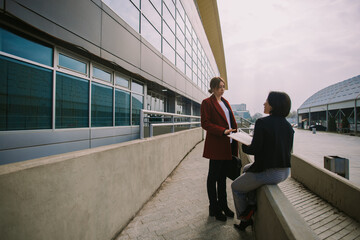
(314, 130)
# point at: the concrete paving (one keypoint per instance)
(313, 147)
(179, 210)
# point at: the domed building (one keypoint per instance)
(334, 108)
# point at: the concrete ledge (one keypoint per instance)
(337, 190)
(88, 194)
(276, 218)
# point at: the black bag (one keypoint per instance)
(233, 168)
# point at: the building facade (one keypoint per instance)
(75, 74)
(333, 105)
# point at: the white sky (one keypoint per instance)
(295, 46)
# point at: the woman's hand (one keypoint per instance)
(228, 131)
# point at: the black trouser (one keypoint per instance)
(216, 185)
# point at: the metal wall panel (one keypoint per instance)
(341, 105)
(77, 22)
(22, 154)
(151, 62)
(118, 41)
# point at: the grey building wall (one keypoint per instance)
(91, 29)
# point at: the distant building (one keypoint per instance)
(239, 107)
(334, 103)
(240, 111)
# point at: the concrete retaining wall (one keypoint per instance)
(276, 218)
(88, 194)
(335, 189)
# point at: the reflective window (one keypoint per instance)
(127, 11)
(25, 96)
(101, 74)
(181, 24)
(170, 5)
(21, 47)
(72, 102)
(180, 35)
(188, 59)
(169, 52)
(122, 108)
(180, 9)
(137, 87)
(101, 105)
(157, 5)
(150, 33)
(168, 35)
(180, 63)
(137, 105)
(188, 47)
(168, 18)
(188, 71)
(72, 64)
(136, 3)
(180, 50)
(151, 14)
(121, 80)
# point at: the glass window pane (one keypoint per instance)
(127, 11)
(121, 81)
(72, 102)
(181, 24)
(151, 14)
(157, 5)
(101, 74)
(180, 64)
(101, 105)
(180, 50)
(188, 71)
(180, 9)
(170, 5)
(169, 19)
(180, 35)
(25, 96)
(168, 35)
(150, 33)
(122, 108)
(137, 105)
(169, 52)
(137, 87)
(21, 47)
(188, 59)
(72, 64)
(188, 47)
(136, 2)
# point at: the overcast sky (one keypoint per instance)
(295, 46)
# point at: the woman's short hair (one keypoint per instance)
(280, 103)
(215, 83)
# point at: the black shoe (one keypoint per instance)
(220, 216)
(217, 214)
(228, 212)
(248, 212)
(244, 224)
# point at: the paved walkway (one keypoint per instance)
(179, 210)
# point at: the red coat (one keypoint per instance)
(213, 120)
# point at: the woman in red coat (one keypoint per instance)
(218, 120)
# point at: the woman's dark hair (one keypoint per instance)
(215, 83)
(280, 104)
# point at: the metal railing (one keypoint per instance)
(158, 119)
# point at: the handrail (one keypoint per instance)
(172, 123)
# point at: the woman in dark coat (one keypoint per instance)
(271, 146)
(218, 120)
